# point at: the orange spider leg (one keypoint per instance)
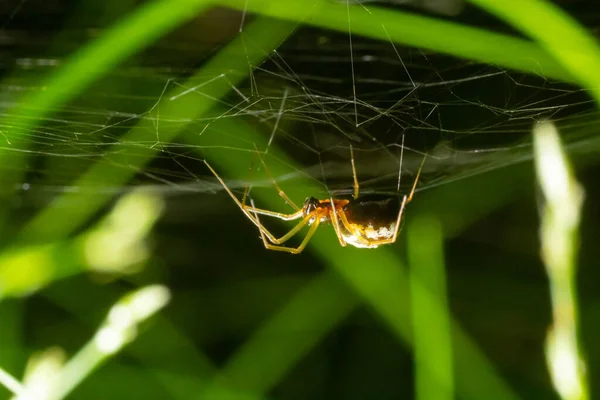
(246, 210)
(268, 213)
(279, 190)
(396, 230)
(292, 231)
(347, 225)
(410, 196)
(336, 224)
(354, 172)
(294, 250)
(352, 228)
(247, 188)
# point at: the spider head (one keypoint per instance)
(316, 209)
(310, 205)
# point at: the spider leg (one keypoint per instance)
(350, 228)
(268, 213)
(287, 236)
(279, 190)
(336, 225)
(354, 172)
(410, 196)
(293, 250)
(398, 221)
(245, 209)
(400, 164)
(405, 201)
(247, 188)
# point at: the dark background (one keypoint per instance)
(225, 284)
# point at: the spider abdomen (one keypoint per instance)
(372, 218)
(375, 211)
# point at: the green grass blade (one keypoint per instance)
(560, 241)
(381, 281)
(119, 328)
(430, 314)
(416, 31)
(132, 33)
(126, 37)
(10, 383)
(13, 350)
(115, 245)
(570, 43)
(287, 336)
(70, 211)
(164, 349)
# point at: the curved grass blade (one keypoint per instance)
(417, 31)
(567, 41)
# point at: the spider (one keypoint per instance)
(366, 221)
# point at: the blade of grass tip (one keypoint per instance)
(419, 31)
(430, 314)
(377, 276)
(129, 35)
(41, 370)
(304, 320)
(119, 329)
(10, 382)
(560, 240)
(68, 212)
(164, 350)
(571, 45)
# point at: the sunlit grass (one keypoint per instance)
(433, 345)
(50, 377)
(578, 51)
(560, 242)
(168, 354)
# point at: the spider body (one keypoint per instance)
(373, 219)
(366, 221)
(363, 222)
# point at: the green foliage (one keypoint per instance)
(56, 243)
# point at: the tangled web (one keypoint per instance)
(318, 94)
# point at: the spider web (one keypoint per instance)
(317, 95)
